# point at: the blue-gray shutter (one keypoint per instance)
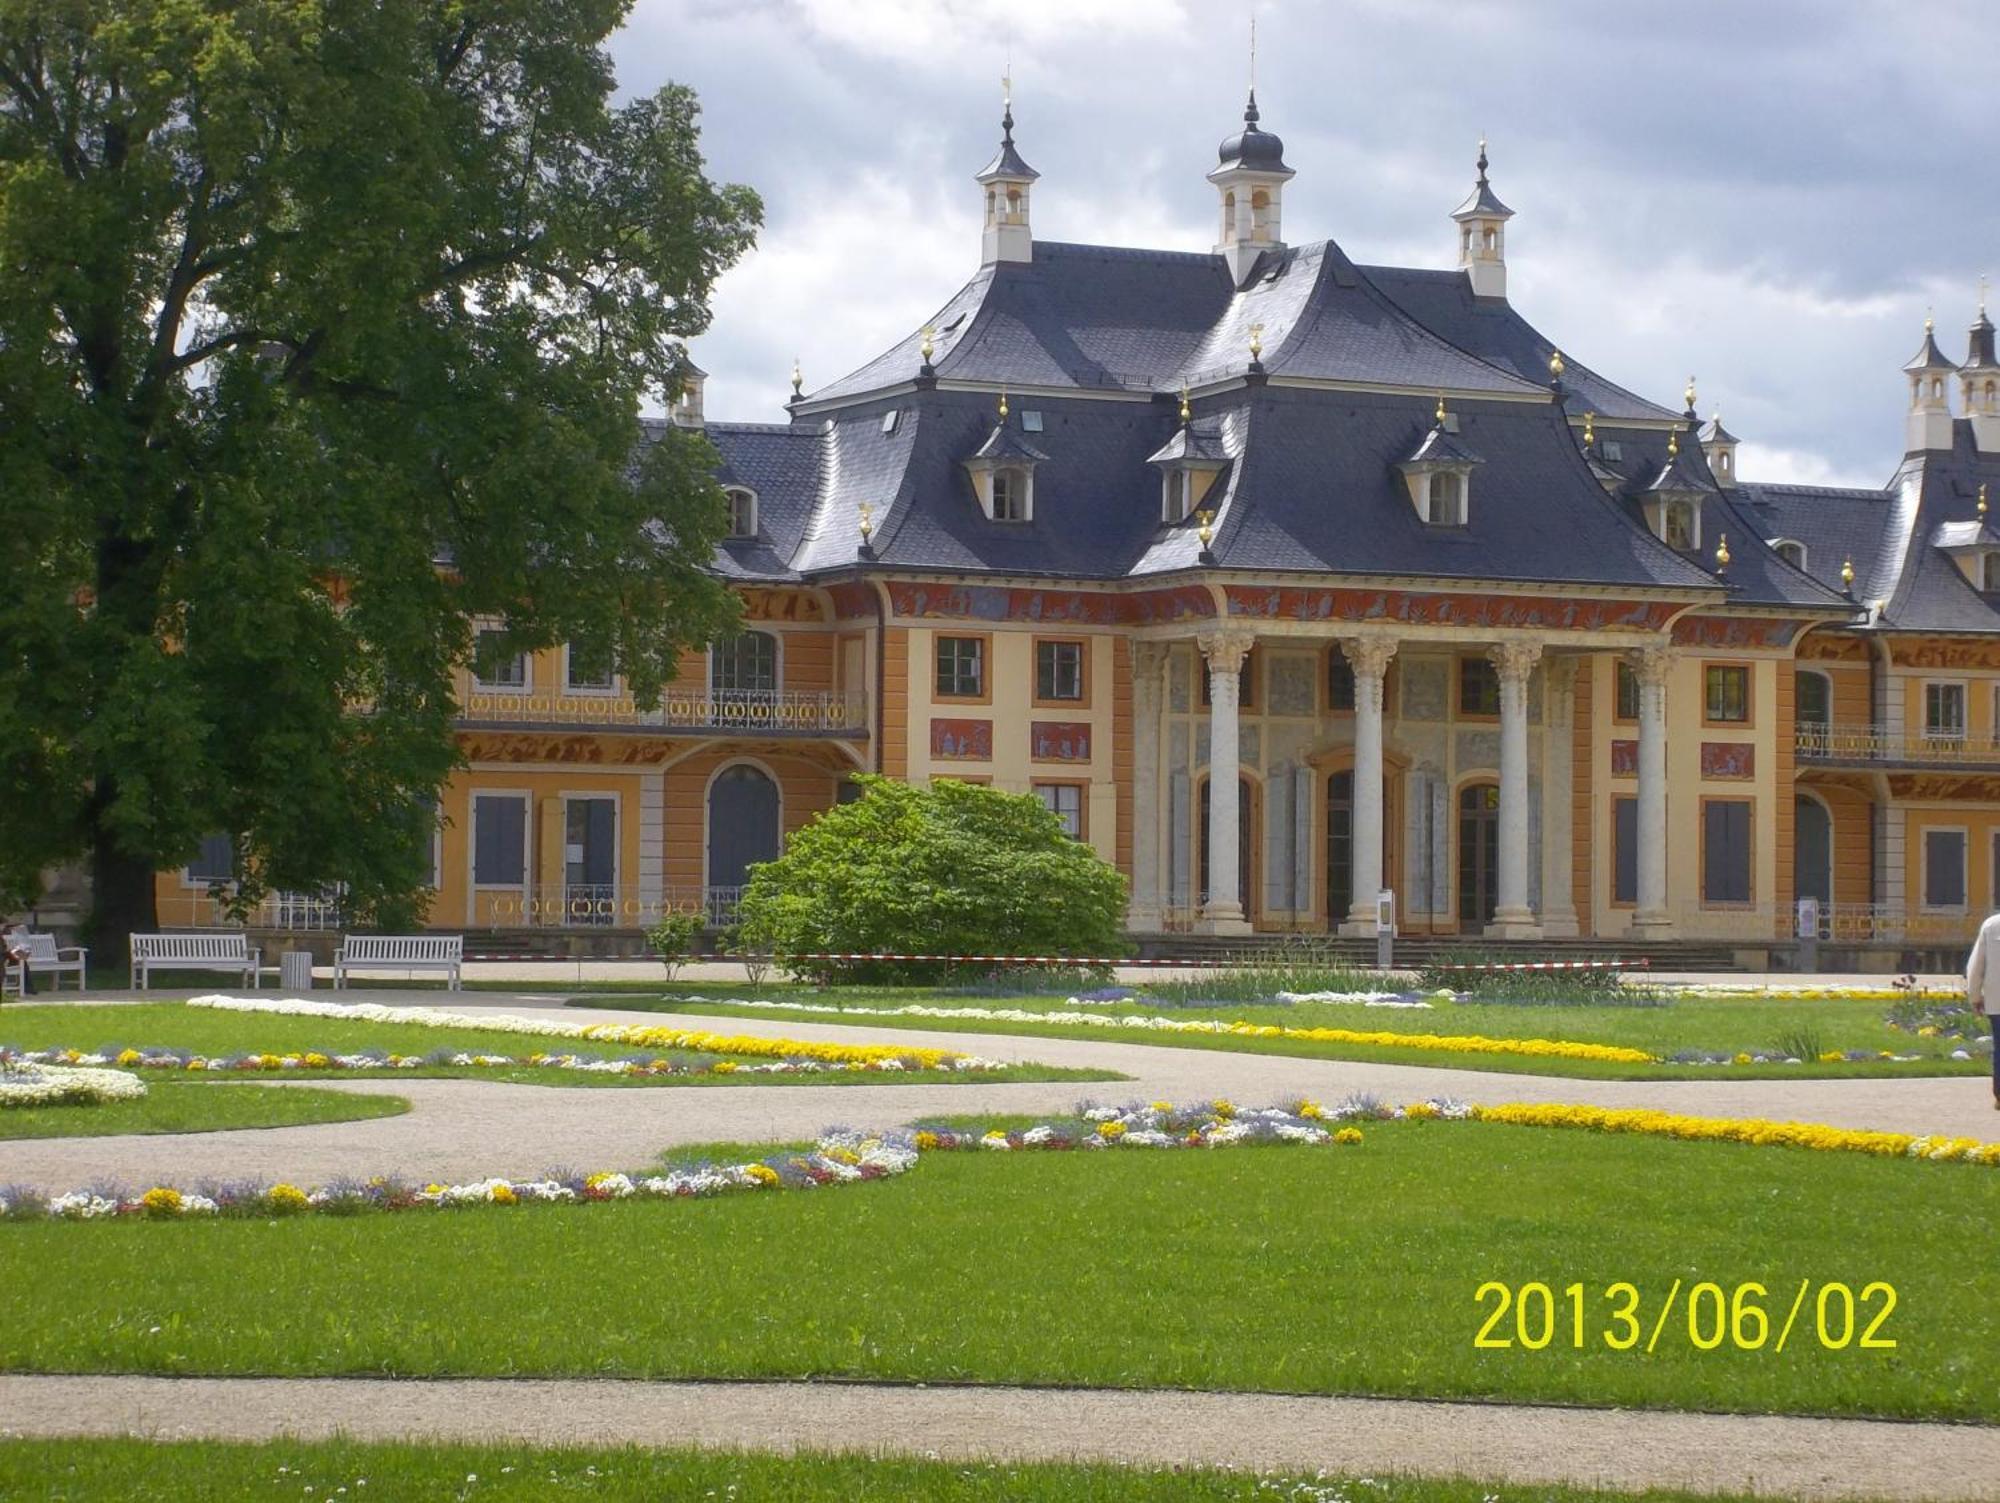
(500, 845)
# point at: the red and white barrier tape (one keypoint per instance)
(1543, 965)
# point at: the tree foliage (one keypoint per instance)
(325, 327)
(952, 869)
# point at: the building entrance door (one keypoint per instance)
(1246, 817)
(1812, 850)
(590, 860)
(1478, 854)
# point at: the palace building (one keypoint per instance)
(1285, 580)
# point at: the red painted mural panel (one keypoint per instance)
(1059, 740)
(1412, 608)
(962, 740)
(1728, 759)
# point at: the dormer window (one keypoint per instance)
(1176, 496)
(1011, 490)
(1791, 552)
(1447, 499)
(1003, 472)
(1439, 474)
(742, 512)
(1680, 526)
(1989, 574)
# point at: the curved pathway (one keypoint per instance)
(1771, 1455)
(464, 1129)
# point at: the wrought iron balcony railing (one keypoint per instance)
(1882, 745)
(781, 712)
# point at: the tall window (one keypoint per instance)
(1178, 496)
(1944, 712)
(1059, 670)
(1010, 495)
(215, 861)
(1628, 693)
(1989, 572)
(1944, 868)
(1065, 801)
(581, 675)
(742, 512)
(1447, 499)
(502, 673)
(745, 664)
(499, 839)
(1339, 682)
(1725, 850)
(1726, 693)
(961, 667)
(1624, 850)
(1478, 687)
(1678, 529)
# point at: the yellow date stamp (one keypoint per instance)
(1704, 1314)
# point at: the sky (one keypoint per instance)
(1766, 194)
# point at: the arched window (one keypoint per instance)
(1792, 553)
(1992, 395)
(1260, 214)
(1677, 526)
(1010, 495)
(1722, 460)
(742, 512)
(744, 664)
(1229, 216)
(1013, 205)
(1937, 389)
(1447, 499)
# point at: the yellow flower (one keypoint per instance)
(503, 1194)
(317, 1061)
(1111, 1132)
(197, 1063)
(1223, 1108)
(1420, 1111)
(1348, 1135)
(1311, 1109)
(1160, 1106)
(285, 1197)
(161, 1201)
(764, 1174)
(1741, 1059)
(725, 1067)
(1831, 1057)
(128, 1057)
(926, 1140)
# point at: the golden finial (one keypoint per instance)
(1930, 322)
(1440, 410)
(1982, 498)
(1185, 412)
(1674, 444)
(1206, 532)
(1556, 366)
(926, 347)
(1722, 553)
(1589, 429)
(1256, 341)
(1982, 294)
(1003, 406)
(867, 521)
(1688, 392)
(798, 378)
(1847, 575)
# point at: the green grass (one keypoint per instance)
(112, 1471)
(1332, 1270)
(195, 1106)
(1723, 1025)
(174, 1025)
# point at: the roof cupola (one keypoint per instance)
(1718, 447)
(1006, 179)
(1482, 235)
(1979, 380)
(1930, 395)
(1251, 177)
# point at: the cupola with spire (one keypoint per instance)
(1979, 380)
(1930, 395)
(1482, 235)
(1006, 179)
(1718, 447)
(1251, 177)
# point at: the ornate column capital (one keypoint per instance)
(1650, 664)
(1226, 648)
(1515, 660)
(1369, 657)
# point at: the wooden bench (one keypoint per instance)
(47, 958)
(400, 952)
(220, 950)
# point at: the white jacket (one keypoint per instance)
(1982, 971)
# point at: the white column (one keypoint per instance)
(1512, 917)
(1558, 756)
(1650, 666)
(1148, 666)
(1369, 658)
(1225, 651)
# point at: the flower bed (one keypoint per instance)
(1465, 1043)
(633, 1066)
(27, 1084)
(632, 1035)
(1753, 1130)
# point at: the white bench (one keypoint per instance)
(222, 950)
(47, 958)
(400, 952)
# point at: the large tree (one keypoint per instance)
(325, 328)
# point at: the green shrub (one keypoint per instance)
(953, 869)
(673, 938)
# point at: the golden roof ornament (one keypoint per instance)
(1556, 365)
(1186, 413)
(1440, 410)
(1847, 575)
(867, 521)
(1257, 341)
(926, 347)
(1003, 406)
(1722, 553)
(1206, 532)
(1982, 498)
(1674, 444)
(1688, 392)
(1589, 429)
(798, 379)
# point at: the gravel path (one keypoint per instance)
(462, 1129)
(1790, 1458)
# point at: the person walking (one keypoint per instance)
(1982, 988)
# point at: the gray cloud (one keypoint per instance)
(1768, 195)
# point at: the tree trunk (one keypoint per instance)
(121, 890)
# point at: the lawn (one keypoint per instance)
(174, 1025)
(198, 1106)
(1717, 1025)
(111, 1471)
(1312, 1270)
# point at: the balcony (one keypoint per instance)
(701, 711)
(1880, 746)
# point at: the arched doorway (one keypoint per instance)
(1478, 854)
(1812, 850)
(742, 830)
(1246, 844)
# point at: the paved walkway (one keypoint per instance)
(1790, 1458)
(464, 1129)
